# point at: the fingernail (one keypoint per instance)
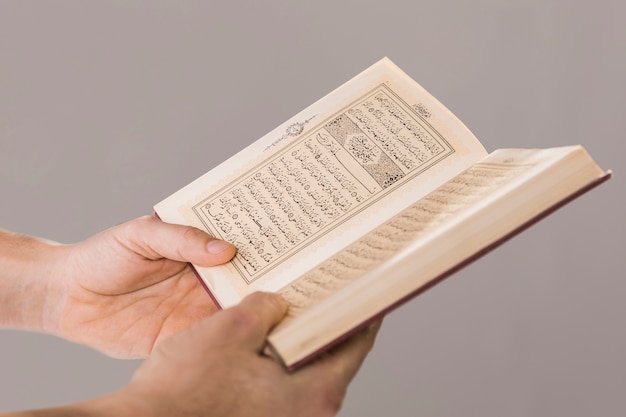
(218, 246)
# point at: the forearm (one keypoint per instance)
(126, 402)
(26, 290)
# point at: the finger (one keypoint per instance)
(156, 239)
(339, 366)
(248, 323)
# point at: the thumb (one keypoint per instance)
(247, 324)
(156, 239)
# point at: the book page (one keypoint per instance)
(386, 241)
(338, 169)
(493, 199)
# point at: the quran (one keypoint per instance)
(363, 200)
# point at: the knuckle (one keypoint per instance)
(142, 221)
(132, 227)
(242, 318)
(331, 403)
(329, 394)
(191, 233)
(270, 302)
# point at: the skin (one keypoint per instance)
(121, 291)
(129, 292)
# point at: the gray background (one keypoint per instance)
(108, 107)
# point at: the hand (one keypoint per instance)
(215, 368)
(127, 288)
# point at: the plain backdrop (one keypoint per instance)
(108, 107)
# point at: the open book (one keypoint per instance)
(363, 200)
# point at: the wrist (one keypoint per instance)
(119, 404)
(27, 288)
(128, 401)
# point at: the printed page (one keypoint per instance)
(489, 200)
(468, 189)
(329, 175)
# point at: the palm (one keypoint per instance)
(124, 298)
(130, 324)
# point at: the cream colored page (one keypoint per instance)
(466, 191)
(327, 179)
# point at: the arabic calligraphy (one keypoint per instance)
(324, 177)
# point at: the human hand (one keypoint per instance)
(127, 288)
(216, 368)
